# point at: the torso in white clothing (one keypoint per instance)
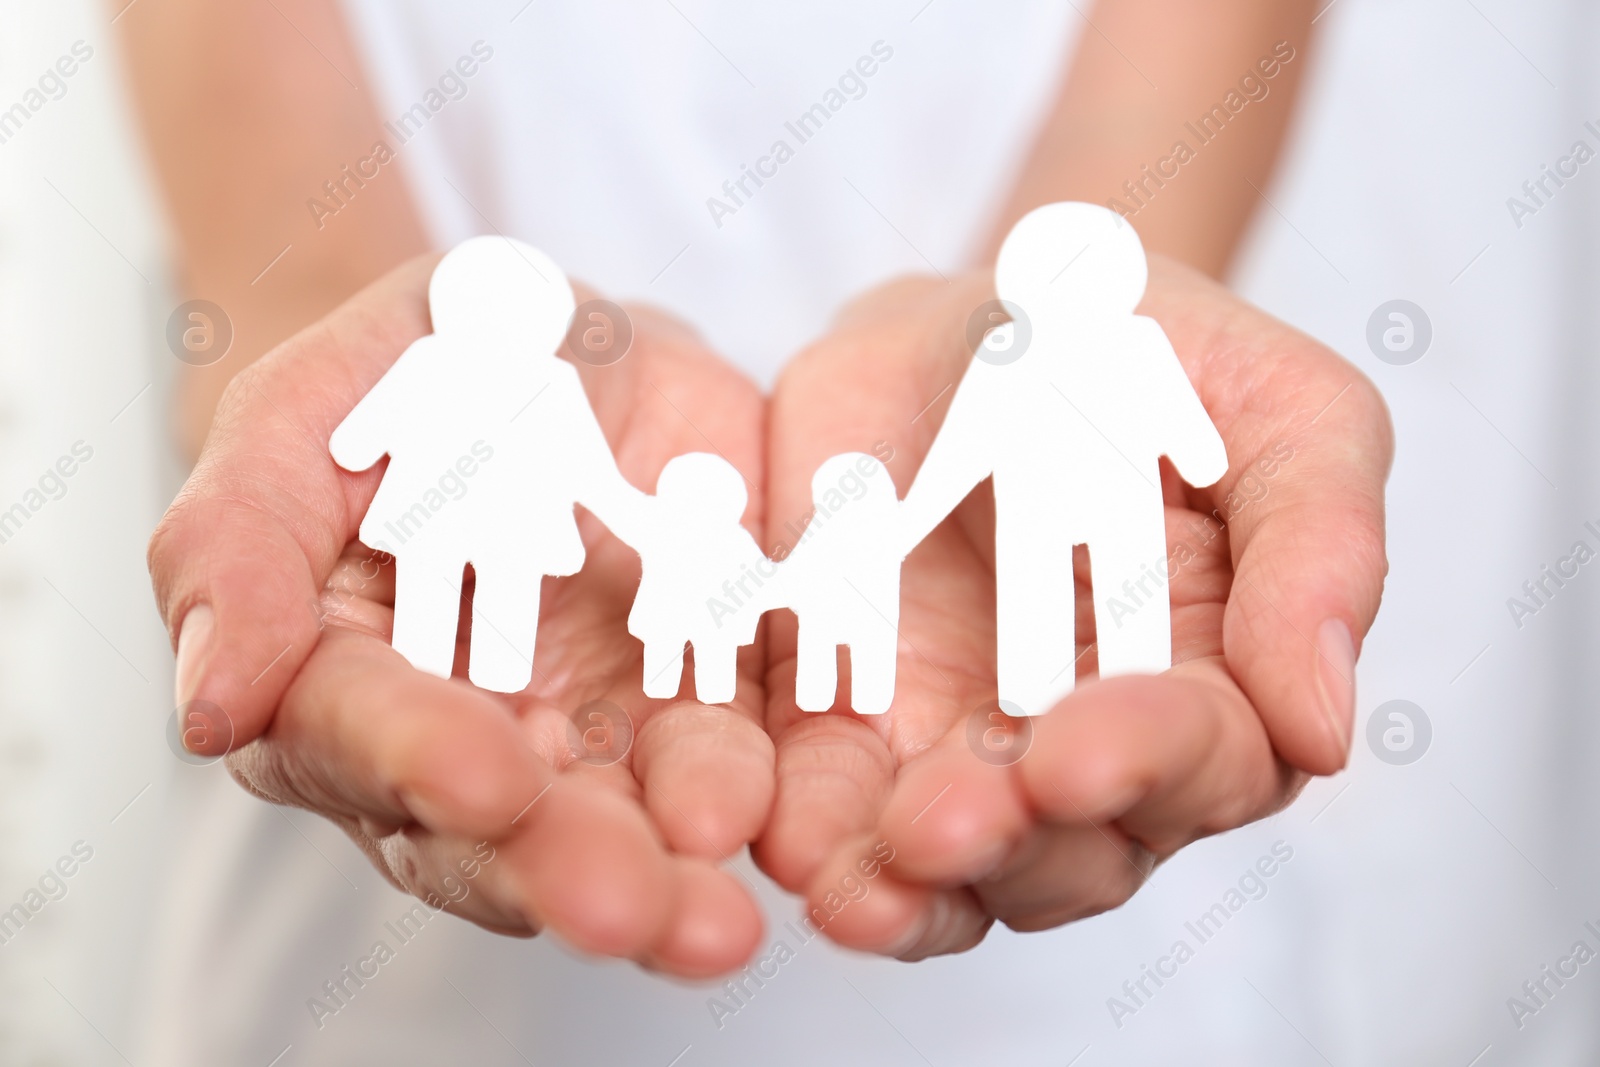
(749, 167)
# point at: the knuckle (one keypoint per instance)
(260, 772)
(1116, 887)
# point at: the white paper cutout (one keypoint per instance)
(1071, 429)
(842, 581)
(1069, 407)
(694, 554)
(484, 393)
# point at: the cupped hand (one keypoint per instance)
(1278, 573)
(282, 621)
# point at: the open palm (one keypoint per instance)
(1278, 571)
(608, 813)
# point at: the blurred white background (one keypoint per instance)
(1419, 898)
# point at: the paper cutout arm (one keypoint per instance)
(366, 434)
(958, 460)
(601, 489)
(620, 506)
(1188, 436)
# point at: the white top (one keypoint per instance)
(1405, 904)
(604, 134)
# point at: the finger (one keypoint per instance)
(591, 870)
(1309, 571)
(1064, 873)
(584, 865)
(835, 771)
(707, 774)
(833, 777)
(458, 875)
(953, 818)
(361, 734)
(1309, 553)
(716, 928)
(241, 557)
(1169, 758)
(876, 912)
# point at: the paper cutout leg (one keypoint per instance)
(843, 582)
(816, 667)
(425, 631)
(1034, 604)
(663, 669)
(716, 671)
(872, 669)
(505, 625)
(1132, 604)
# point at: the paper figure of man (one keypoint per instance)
(491, 441)
(1071, 423)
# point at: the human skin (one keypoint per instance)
(260, 551)
(248, 108)
(1267, 617)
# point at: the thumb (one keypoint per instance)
(1303, 504)
(1308, 577)
(240, 559)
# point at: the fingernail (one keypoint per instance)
(194, 641)
(932, 916)
(1336, 668)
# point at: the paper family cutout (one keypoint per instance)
(1068, 407)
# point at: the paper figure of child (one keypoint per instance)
(704, 580)
(843, 582)
(1071, 429)
(491, 441)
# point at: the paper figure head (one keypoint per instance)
(860, 479)
(501, 291)
(1075, 257)
(708, 486)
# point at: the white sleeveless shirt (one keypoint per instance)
(749, 167)
(1402, 919)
